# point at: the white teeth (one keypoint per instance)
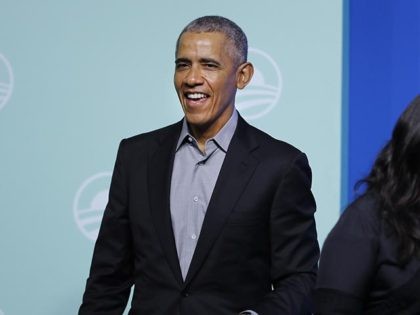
(195, 96)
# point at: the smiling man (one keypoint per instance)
(209, 215)
(207, 76)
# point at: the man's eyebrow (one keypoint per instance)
(210, 60)
(179, 60)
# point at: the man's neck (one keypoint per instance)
(205, 132)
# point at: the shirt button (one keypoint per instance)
(193, 236)
(190, 139)
(195, 198)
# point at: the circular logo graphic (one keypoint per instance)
(263, 92)
(90, 202)
(6, 82)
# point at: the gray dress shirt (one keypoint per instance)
(194, 176)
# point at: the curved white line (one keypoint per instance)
(254, 103)
(257, 92)
(11, 81)
(77, 199)
(277, 89)
(90, 220)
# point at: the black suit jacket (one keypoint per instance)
(257, 248)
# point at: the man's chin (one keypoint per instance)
(197, 123)
(196, 120)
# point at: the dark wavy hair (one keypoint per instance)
(395, 178)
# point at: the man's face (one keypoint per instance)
(206, 80)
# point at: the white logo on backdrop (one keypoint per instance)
(264, 90)
(90, 202)
(6, 82)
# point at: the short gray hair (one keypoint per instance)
(215, 23)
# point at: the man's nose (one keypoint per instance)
(194, 76)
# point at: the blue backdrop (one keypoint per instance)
(384, 75)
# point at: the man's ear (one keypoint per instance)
(244, 75)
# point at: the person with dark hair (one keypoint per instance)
(370, 262)
(209, 215)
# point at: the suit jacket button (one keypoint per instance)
(185, 294)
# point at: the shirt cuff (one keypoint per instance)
(248, 312)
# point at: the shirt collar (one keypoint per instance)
(222, 138)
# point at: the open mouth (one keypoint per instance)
(195, 96)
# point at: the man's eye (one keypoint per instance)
(181, 65)
(210, 65)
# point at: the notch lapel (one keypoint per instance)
(160, 172)
(236, 171)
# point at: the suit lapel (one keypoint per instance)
(160, 172)
(236, 171)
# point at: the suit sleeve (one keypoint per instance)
(294, 245)
(111, 273)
